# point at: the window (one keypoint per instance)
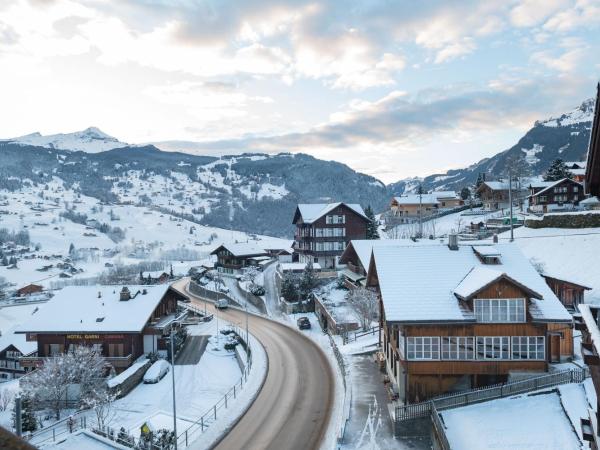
(423, 348)
(335, 219)
(493, 347)
(458, 347)
(528, 347)
(500, 310)
(575, 188)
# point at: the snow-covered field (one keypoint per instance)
(149, 235)
(440, 226)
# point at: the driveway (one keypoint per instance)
(192, 351)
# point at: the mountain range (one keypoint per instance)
(253, 192)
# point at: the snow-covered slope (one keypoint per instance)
(565, 137)
(90, 140)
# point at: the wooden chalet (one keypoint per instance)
(495, 194)
(409, 208)
(588, 322)
(459, 317)
(549, 195)
(29, 289)
(324, 230)
(570, 294)
(232, 258)
(577, 169)
(592, 170)
(123, 323)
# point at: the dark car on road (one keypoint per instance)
(303, 323)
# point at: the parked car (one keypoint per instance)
(222, 303)
(224, 289)
(157, 371)
(304, 323)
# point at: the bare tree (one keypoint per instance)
(364, 302)
(6, 397)
(51, 382)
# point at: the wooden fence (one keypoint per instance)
(424, 409)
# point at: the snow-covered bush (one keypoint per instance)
(364, 302)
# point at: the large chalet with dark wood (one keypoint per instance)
(592, 169)
(495, 194)
(324, 230)
(232, 258)
(456, 317)
(550, 195)
(122, 322)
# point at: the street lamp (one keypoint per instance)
(173, 378)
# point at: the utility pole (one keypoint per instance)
(173, 378)
(512, 237)
(420, 211)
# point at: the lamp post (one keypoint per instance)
(173, 378)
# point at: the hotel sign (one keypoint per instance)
(79, 337)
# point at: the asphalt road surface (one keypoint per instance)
(292, 411)
(192, 351)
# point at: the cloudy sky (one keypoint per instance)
(391, 88)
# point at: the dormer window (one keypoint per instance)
(488, 254)
(499, 310)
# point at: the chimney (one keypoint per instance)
(453, 241)
(495, 239)
(124, 295)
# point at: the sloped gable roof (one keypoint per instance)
(481, 277)
(416, 199)
(418, 283)
(311, 212)
(242, 249)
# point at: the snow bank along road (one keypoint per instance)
(292, 410)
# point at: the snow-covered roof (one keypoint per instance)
(243, 249)
(580, 164)
(481, 276)
(364, 247)
(19, 341)
(497, 185)
(486, 250)
(285, 267)
(541, 184)
(590, 201)
(79, 308)
(550, 186)
(444, 194)
(314, 211)
(418, 283)
(415, 199)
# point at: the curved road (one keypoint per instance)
(292, 410)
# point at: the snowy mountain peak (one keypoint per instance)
(583, 113)
(90, 140)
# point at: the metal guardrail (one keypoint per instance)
(352, 336)
(424, 409)
(439, 429)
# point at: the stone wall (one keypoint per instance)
(131, 381)
(590, 220)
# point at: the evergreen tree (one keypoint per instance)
(308, 282)
(28, 420)
(171, 272)
(479, 182)
(465, 193)
(4, 260)
(71, 249)
(289, 287)
(557, 171)
(372, 232)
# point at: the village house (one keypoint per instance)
(550, 195)
(592, 169)
(323, 230)
(233, 258)
(577, 169)
(448, 199)
(570, 293)
(122, 322)
(29, 289)
(495, 194)
(409, 208)
(460, 317)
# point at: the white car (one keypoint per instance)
(222, 303)
(157, 371)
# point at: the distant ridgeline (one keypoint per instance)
(258, 193)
